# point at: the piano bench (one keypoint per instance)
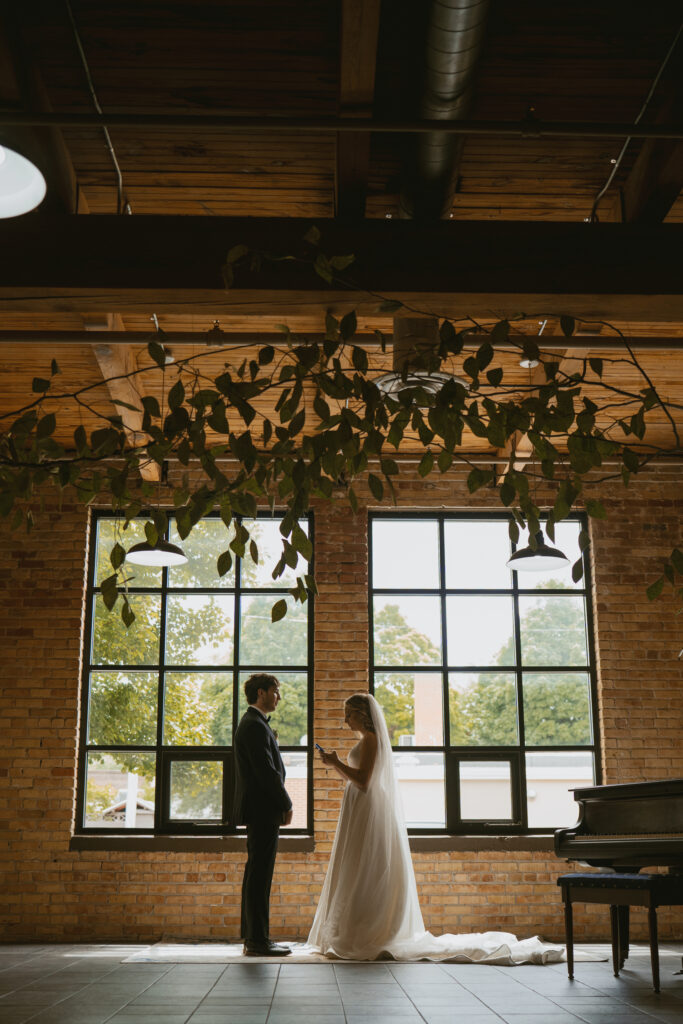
(620, 891)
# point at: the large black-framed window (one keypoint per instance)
(161, 700)
(486, 676)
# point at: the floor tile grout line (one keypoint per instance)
(96, 980)
(71, 994)
(341, 997)
(272, 998)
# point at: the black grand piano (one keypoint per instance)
(622, 829)
(627, 827)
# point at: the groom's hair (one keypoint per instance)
(259, 681)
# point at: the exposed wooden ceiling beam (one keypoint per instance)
(559, 344)
(116, 363)
(458, 269)
(357, 61)
(656, 179)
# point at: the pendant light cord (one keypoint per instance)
(617, 163)
(122, 204)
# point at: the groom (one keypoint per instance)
(262, 804)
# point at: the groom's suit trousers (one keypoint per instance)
(262, 839)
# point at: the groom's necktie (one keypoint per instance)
(267, 718)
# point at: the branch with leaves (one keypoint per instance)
(330, 426)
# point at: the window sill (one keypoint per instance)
(304, 844)
(185, 844)
(480, 844)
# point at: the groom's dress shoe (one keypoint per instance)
(269, 949)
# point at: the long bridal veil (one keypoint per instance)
(369, 905)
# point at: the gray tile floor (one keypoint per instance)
(55, 984)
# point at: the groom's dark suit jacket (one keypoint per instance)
(260, 793)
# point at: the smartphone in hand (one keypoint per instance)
(318, 747)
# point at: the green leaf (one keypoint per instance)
(117, 556)
(567, 325)
(677, 560)
(655, 589)
(507, 493)
(312, 236)
(176, 395)
(235, 254)
(224, 563)
(151, 406)
(54, 367)
(157, 353)
(266, 355)
(577, 570)
(353, 500)
(426, 464)
(109, 590)
(390, 306)
(322, 268)
(476, 479)
(376, 486)
(359, 358)
(127, 614)
(348, 325)
(278, 611)
(495, 376)
(46, 426)
(584, 540)
(595, 509)
(341, 262)
(596, 365)
(39, 385)
(484, 355)
(389, 467)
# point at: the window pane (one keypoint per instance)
(421, 785)
(567, 541)
(485, 791)
(198, 708)
(412, 703)
(114, 644)
(264, 642)
(266, 534)
(418, 543)
(407, 630)
(557, 709)
(483, 709)
(296, 782)
(290, 718)
(119, 791)
(123, 708)
(480, 631)
(553, 630)
(549, 778)
(203, 546)
(109, 532)
(196, 790)
(476, 553)
(199, 629)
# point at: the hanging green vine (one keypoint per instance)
(352, 431)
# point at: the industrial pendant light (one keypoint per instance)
(22, 186)
(543, 559)
(163, 553)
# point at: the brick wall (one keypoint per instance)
(51, 892)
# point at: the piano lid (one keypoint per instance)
(628, 790)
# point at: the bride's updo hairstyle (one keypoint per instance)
(360, 703)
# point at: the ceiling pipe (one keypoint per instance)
(528, 128)
(455, 33)
(239, 339)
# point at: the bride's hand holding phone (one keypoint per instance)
(328, 757)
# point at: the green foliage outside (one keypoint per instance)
(198, 706)
(484, 713)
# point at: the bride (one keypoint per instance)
(369, 905)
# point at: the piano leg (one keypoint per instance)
(569, 933)
(654, 949)
(623, 934)
(614, 921)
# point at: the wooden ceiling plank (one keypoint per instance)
(116, 363)
(357, 63)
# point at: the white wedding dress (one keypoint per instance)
(369, 905)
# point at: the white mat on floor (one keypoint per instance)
(230, 953)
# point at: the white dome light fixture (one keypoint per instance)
(414, 338)
(161, 554)
(543, 559)
(22, 186)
